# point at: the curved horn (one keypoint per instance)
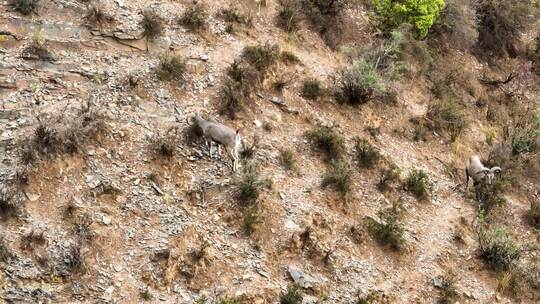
(496, 169)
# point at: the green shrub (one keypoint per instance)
(311, 89)
(194, 17)
(491, 196)
(358, 83)
(326, 139)
(287, 158)
(250, 185)
(447, 116)
(388, 230)
(366, 155)
(338, 176)
(292, 296)
(26, 7)
(497, 249)
(261, 56)
(153, 24)
(418, 183)
(421, 14)
(172, 67)
(525, 135)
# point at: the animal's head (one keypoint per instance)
(489, 174)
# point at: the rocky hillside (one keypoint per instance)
(356, 129)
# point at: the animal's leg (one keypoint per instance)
(209, 144)
(234, 158)
(219, 150)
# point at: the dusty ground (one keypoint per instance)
(133, 223)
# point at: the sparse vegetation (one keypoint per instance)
(366, 155)
(10, 203)
(26, 7)
(164, 145)
(51, 140)
(152, 24)
(5, 252)
(96, 15)
(251, 218)
(388, 176)
(387, 230)
(172, 67)
(491, 196)
(358, 83)
(447, 116)
(418, 183)
(369, 298)
(338, 176)
(250, 149)
(145, 295)
(328, 140)
(234, 15)
(287, 158)
(289, 58)
(534, 213)
(250, 185)
(292, 296)
(311, 89)
(449, 293)
(390, 14)
(500, 23)
(82, 228)
(195, 16)
(261, 57)
(497, 249)
(289, 15)
(32, 238)
(73, 259)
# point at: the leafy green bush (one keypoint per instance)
(338, 176)
(497, 249)
(388, 230)
(358, 83)
(366, 155)
(311, 89)
(328, 140)
(421, 14)
(418, 183)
